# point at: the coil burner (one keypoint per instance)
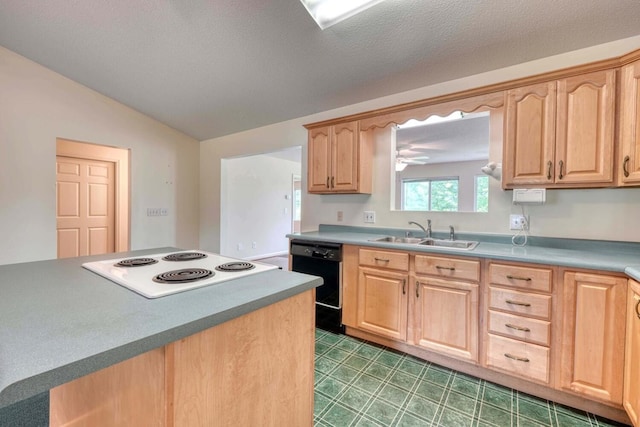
(185, 275)
(184, 256)
(136, 262)
(235, 266)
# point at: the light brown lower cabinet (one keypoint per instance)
(552, 332)
(446, 317)
(382, 302)
(593, 334)
(244, 372)
(631, 395)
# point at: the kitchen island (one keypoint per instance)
(240, 350)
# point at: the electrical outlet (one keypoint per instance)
(240, 247)
(518, 222)
(254, 245)
(370, 216)
(340, 216)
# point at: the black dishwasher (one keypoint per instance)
(322, 259)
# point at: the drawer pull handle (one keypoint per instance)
(527, 279)
(417, 289)
(638, 309)
(523, 304)
(382, 259)
(404, 286)
(519, 359)
(440, 267)
(327, 182)
(332, 182)
(549, 163)
(625, 166)
(517, 328)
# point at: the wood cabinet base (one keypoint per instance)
(579, 402)
(253, 370)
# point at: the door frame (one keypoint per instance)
(118, 156)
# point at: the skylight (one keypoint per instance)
(329, 12)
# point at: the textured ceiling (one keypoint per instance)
(215, 67)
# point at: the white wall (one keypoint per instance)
(37, 106)
(254, 206)
(597, 214)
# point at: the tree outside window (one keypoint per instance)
(435, 194)
(482, 193)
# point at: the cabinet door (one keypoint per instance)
(630, 124)
(344, 157)
(585, 128)
(631, 400)
(382, 303)
(593, 335)
(530, 135)
(446, 317)
(319, 158)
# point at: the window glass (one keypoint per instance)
(437, 194)
(482, 193)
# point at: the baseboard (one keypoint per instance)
(273, 254)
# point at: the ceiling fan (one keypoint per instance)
(402, 161)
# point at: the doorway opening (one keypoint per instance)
(257, 203)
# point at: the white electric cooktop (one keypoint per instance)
(167, 273)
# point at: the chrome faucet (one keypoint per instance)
(452, 234)
(427, 230)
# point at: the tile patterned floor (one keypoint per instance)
(361, 384)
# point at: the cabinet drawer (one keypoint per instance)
(520, 302)
(538, 279)
(520, 328)
(524, 359)
(384, 259)
(448, 267)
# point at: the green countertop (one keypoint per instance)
(59, 321)
(622, 257)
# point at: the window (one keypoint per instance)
(482, 193)
(433, 194)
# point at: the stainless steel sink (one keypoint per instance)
(405, 240)
(466, 245)
(452, 244)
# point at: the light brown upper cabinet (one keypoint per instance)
(630, 125)
(339, 160)
(561, 133)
